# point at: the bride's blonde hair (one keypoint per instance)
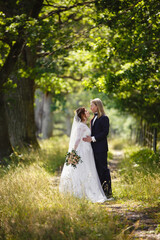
(99, 105)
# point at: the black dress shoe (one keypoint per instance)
(107, 189)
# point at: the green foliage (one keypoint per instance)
(58, 34)
(46, 38)
(117, 144)
(135, 27)
(126, 61)
(146, 158)
(112, 45)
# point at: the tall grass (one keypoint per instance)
(139, 175)
(51, 156)
(53, 152)
(31, 207)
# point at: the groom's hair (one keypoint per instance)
(99, 105)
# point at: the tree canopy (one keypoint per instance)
(127, 55)
(110, 45)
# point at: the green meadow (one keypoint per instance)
(32, 208)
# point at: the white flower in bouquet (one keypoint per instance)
(72, 158)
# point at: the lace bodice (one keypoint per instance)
(82, 131)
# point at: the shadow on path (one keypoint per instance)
(142, 223)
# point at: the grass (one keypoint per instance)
(32, 208)
(140, 176)
(51, 156)
(137, 184)
(54, 151)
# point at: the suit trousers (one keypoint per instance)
(102, 168)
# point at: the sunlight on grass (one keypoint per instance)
(32, 208)
(53, 152)
(139, 176)
(51, 155)
(118, 143)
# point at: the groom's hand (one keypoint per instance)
(87, 139)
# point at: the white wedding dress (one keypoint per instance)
(82, 181)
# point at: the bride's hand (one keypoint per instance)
(87, 139)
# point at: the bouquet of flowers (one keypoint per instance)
(72, 158)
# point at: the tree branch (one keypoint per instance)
(71, 77)
(64, 8)
(69, 44)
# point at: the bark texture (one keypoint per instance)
(5, 146)
(20, 114)
(44, 115)
(11, 8)
(20, 107)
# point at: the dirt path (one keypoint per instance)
(141, 223)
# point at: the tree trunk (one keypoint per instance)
(5, 146)
(155, 140)
(47, 117)
(39, 102)
(141, 133)
(32, 9)
(20, 114)
(68, 124)
(43, 114)
(20, 107)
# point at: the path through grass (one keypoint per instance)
(32, 209)
(136, 185)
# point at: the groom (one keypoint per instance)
(98, 139)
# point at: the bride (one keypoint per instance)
(82, 181)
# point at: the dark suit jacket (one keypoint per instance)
(100, 130)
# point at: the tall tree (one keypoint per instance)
(14, 43)
(19, 103)
(46, 41)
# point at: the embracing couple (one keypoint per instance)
(91, 178)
